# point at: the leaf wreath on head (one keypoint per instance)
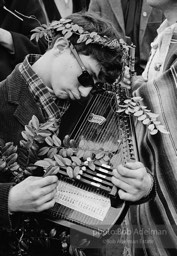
(67, 28)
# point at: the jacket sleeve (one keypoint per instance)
(5, 221)
(32, 16)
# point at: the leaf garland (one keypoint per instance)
(132, 106)
(41, 147)
(67, 28)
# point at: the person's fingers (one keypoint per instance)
(126, 196)
(48, 189)
(43, 181)
(45, 201)
(131, 182)
(121, 184)
(46, 206)
(134, 165)
(130, 170)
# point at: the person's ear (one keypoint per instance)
(61, 44)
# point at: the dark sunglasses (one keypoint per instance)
(85, 79)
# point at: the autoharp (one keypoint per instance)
(89, 202)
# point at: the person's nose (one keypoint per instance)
(84, 91)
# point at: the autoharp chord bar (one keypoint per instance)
(100, 178)
(104, 169)
(84, 178)
(98, 175)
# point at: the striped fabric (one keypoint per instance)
(51, 106)
(158, 218)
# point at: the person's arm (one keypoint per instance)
(5, 221)
(21, 39)
(34, 194)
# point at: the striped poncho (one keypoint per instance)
(157, 219)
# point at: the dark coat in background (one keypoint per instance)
(150, 20)
(20, 31)
(54, 14)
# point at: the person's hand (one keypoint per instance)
(126, 79)
(133, 181)
(131, 82)
(137, 82)
(6, 40)
(34, 194)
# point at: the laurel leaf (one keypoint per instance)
(141, 118)
(35, 122)
(70, 172)
(153, 115)
(153, 132)
(80, 153)
(52, 152)
(88, 41)
(69, 152)
(44, 133)
(151, 127)
(42, 163)
(162, 129)
(76, 160)
(91, 165)
(56, 140)
(66, 141)
(72, 143)
(43, 151)
(24, 135)
(63, 152)
(2, 164)
(49, 141)
(99, 155)
(146, 121)
(67, 161)
(138, 113)
(59, 160)
(76, 171)
(68, 34)
(137, 99)
(29, 130)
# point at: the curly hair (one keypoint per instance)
(109, 59)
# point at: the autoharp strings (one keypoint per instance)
(100, 123)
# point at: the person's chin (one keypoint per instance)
(73, 96)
